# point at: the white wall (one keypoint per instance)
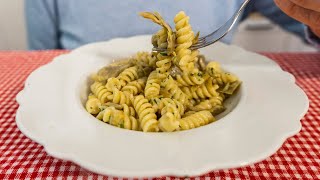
(13, 33)
(12, 25)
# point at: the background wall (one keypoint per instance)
(12, 27)
(256, 33)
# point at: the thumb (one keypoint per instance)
(309, 17)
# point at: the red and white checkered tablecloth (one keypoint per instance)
(21, 158)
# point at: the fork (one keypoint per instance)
(217, 34)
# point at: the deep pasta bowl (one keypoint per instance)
(259, 118)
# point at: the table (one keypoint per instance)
(21, 158)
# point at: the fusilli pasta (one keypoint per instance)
(128, 75)
(206, 90)
(153, 85)
(162, 91)
(179, 108)
(120, 97)
(135, 87)
(184, 41)
(147, 117)
(164, 65)
(174, 91)
(118, 118)
(100, 91)
(113, 83)
(214, 105)
(144, 59)
(168, 121)
(194, 77)
(195, 120)
(160, 39)
(93, 104)
(130, 122)
(228, 82)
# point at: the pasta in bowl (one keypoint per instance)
(162, 91)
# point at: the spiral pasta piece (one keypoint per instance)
(220, 77)
(164, 65)
(229, 88)
(120, 97)
(152, 88)
(100, 91)
(188, 113)
(178, 106)
(160, 39)
(103, 92)
(184, 41)
(130, 122)
(118, 118)
(195, 120)
(213, 69)
(184, 32)
(128, 110)
(175, 92)
(227, 82)
(155, 102)
(171, 111)
(111, 115)
(113, 83)
(128, 75)
(93, 104)
(144, 59)
(168, 122)
(147, 117)
(214, 105)
(111, 104)
(183, 60)
(195, 55)
(171, 108)
(206, 90)
(106, 114)
(195, 77)
(135, 87)
(227, 78)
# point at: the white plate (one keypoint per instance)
(264, 114)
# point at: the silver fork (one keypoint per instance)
(217, 34)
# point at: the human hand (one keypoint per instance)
(305, 11)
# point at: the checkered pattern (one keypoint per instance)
(21, 158)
